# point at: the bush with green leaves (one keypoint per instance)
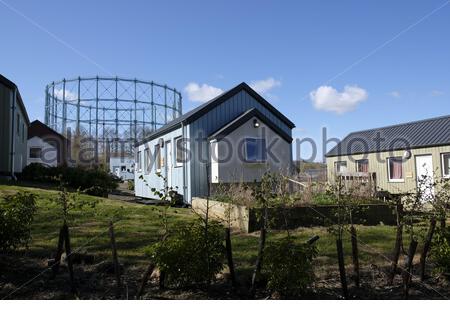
(183, 255)
(92, 181)
(16, 215)
(440, 252)
(288, 267)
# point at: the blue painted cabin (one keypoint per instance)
(235, 137)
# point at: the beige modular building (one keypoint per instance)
(396, 157)
(14, 124)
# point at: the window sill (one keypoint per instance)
(396, 180)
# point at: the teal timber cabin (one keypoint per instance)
(232, 113)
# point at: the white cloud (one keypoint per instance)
(394, 94)
(201, 93)
(437, 93)
(70, 96)
(263, 86)
(327, 98)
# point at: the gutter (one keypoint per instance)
(12, 152)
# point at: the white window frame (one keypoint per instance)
(146, 159)
(157, 156)
(447, 176)
(175, 152)
(336, 165)
(139, 161)
(389, 170)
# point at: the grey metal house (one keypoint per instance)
(235, 137)
(14, 124)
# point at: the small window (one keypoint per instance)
(23, 132)
(158, 164)
(395, 169)
(255, 150)
(35, 153)
(179, 151)
(146, 160)
(139, 160)
(18, 125)
(340, 166)
(362, 165)
(446, 165)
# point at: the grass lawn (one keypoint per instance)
(139, 226)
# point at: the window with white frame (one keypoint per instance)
(362, 165)
(446, 165)
(255, 150)
(179, 151)
(139, 160)
(395, 169)
(340, 167)
(146, 159)
(158, 158)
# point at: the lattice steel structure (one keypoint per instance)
(114, 112)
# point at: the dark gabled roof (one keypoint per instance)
(38, 129)
(13, 86)
(417, 134)
(244, 117)
(211, 104)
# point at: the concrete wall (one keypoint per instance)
(238, 216)
(378, 164)
(228, 161)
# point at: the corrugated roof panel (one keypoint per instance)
(429, 132)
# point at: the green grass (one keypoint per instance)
(139, 226)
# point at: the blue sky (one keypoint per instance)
(388, 61)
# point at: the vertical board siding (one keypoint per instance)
(380, 167)
(213, 121)
(5, 123)
(153, 181)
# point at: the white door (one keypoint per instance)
(425, 176)
(169, 163)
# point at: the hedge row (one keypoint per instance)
(93, 181)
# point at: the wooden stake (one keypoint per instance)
(230, 256)
(398, 245)
(340, 253)
(114, 256)
(145, 278)
(162, 280)
(59, 251)
(426, 248)
(408, 268)
(443, 222)
(262, 242)
(69, 255)
(355, 256)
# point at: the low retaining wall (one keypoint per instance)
(245, 219)
(238, 215)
